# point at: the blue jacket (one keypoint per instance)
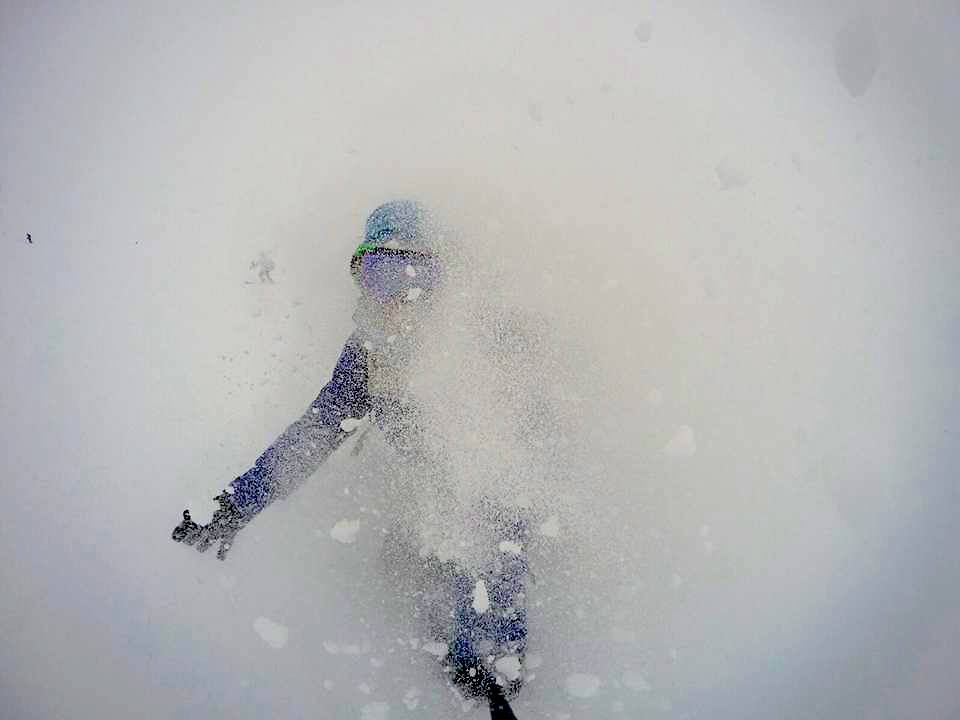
(303, 446)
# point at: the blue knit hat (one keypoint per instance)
(403, 224)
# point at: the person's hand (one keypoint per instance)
(223, 526)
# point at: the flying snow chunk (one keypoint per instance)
(272, 633)
(350, 424)
(345, 531)
(643, 31)
(551, 528)
(435, 648)
(413, 294)
(509, 667)
(582, 685)
(375, 711)
(682, 444)
(410, 271)
(855, 55)
(481, 600)
(202, 506)
(509, 546)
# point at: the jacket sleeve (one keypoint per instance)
(303, 446)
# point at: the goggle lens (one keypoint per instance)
(389, 275)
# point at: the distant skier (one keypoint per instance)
(401, 270)
(264, 266)
(29, 239)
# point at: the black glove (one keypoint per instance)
(223, 526)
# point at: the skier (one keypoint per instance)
(264, 266)
(400, 268)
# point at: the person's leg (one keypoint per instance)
(489, 641)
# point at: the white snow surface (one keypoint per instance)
(550, 528)
(707, 277)
(411, 698)
(375, 711)
(582, 685)
(350, 424)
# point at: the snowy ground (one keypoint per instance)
(741, 224)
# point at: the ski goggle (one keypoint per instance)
(390, 275)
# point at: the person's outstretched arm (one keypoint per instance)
(292, 457)
(303, 446)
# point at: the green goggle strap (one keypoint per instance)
(358, 254)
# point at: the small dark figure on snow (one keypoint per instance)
(264, 265)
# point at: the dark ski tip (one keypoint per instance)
(499, 707)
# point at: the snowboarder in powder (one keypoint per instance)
(400, 269)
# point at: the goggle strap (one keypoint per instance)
(366, 247)
(358, 254)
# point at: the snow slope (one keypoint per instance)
(739, 225)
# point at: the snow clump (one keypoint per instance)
(481, 600)
(345, 531)
(272, 633)
(509, 546)
(509, 667)
(350, 424)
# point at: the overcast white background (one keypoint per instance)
(741, 219)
